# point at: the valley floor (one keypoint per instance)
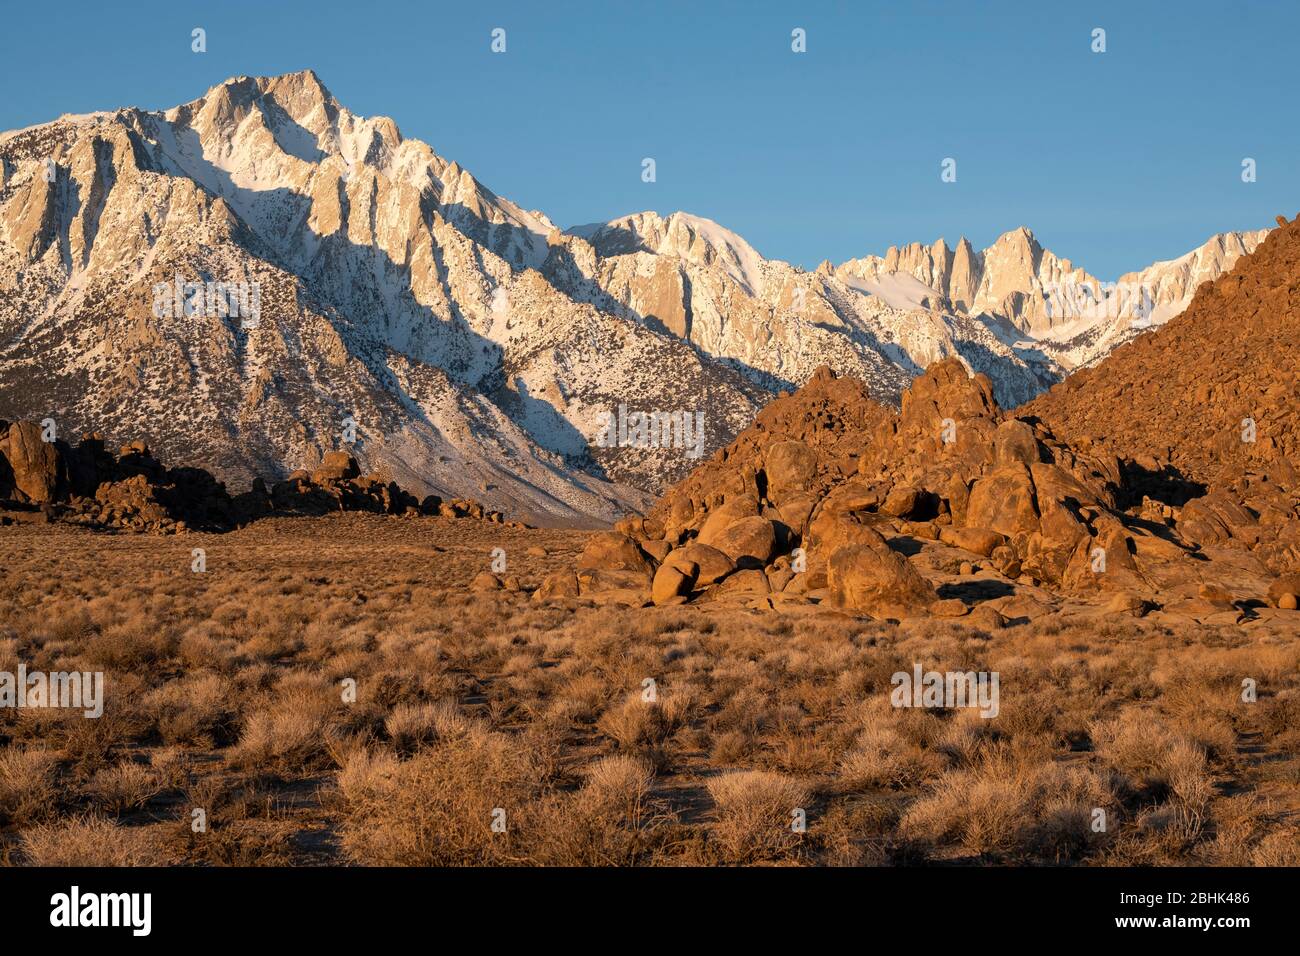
(489, 728)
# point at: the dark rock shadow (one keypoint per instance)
(1166, 484)
(905, 545)
(974, 592)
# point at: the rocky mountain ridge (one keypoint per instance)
(411, 316)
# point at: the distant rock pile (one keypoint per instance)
(132, 491)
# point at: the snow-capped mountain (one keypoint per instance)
(1038, 300)
(441, 332)
(396, 294)
(708, 286)
(1142, 300)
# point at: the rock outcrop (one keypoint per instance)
(832, 498)
(87, 484)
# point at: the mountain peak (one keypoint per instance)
(1021, 234)
(301, 83)
(301, 89)
(300, 97)
(683, 235)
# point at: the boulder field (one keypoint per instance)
(948, 507)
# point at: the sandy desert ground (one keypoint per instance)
(491, 728)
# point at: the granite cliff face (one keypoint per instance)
(1073, 316)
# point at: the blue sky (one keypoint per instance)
(1114, 160)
